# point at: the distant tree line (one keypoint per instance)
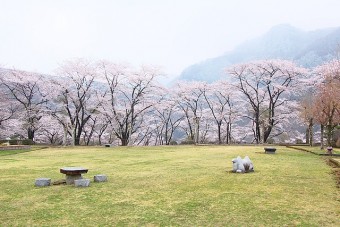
(94, 103)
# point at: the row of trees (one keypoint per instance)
(321, 103)
(103, 102)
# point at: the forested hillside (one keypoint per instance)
(306, 48)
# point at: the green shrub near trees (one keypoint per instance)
(18, 142)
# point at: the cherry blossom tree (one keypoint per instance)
(327, 98)
(266, 85)
(147, 133)
(220, 98)
(306, 111)
(110, 74)
(89, 130)
(101, 127)
(76, 97)
(96, 127)
(12, 128)
(190, 100)
(8, 107)
(129, 95)
(207, 130)
(51, 131)
(27, 91)
(168, 117)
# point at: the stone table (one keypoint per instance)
(73, 173)
(329, 150)
(270, 150)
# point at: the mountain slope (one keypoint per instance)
(281, 42)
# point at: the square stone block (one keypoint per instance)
(82, 183)
(42, 182)
(100, 178)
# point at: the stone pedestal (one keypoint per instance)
(100, 178)
(82, 183)
(71, 178)
(42, 182)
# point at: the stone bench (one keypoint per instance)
(42, 182)
(100, 178)
(82, 183)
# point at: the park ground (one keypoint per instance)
(169, 186)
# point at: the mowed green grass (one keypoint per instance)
(12, 152)
(169, 186)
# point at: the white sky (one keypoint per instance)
(38, 35)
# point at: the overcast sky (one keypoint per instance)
(38, 35)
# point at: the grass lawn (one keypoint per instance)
(169, 186)
(12, 152)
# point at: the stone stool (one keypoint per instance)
(100, 178)
(42, 182)
(82, 183)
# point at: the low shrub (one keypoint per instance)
(27, 142)
(187, 142)
(11, 142)
(173, 142)
(298, 141)
(270, 141)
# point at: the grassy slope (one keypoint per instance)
(187, 186)
(317, 150)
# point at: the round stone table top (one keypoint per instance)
(270, 149)
(73, 170)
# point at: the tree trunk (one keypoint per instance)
(124, 141)
(73, 135)
(266, 133)
(65, 135)
(100, 139)
(196, 130)
(258, 134)
(257, 128)
(307, 135)
(329, 134)
(219, 133)
(310, 130)
(229, 133)
(322, 131)
(77, 141)
(167, 142)
(30, 133)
